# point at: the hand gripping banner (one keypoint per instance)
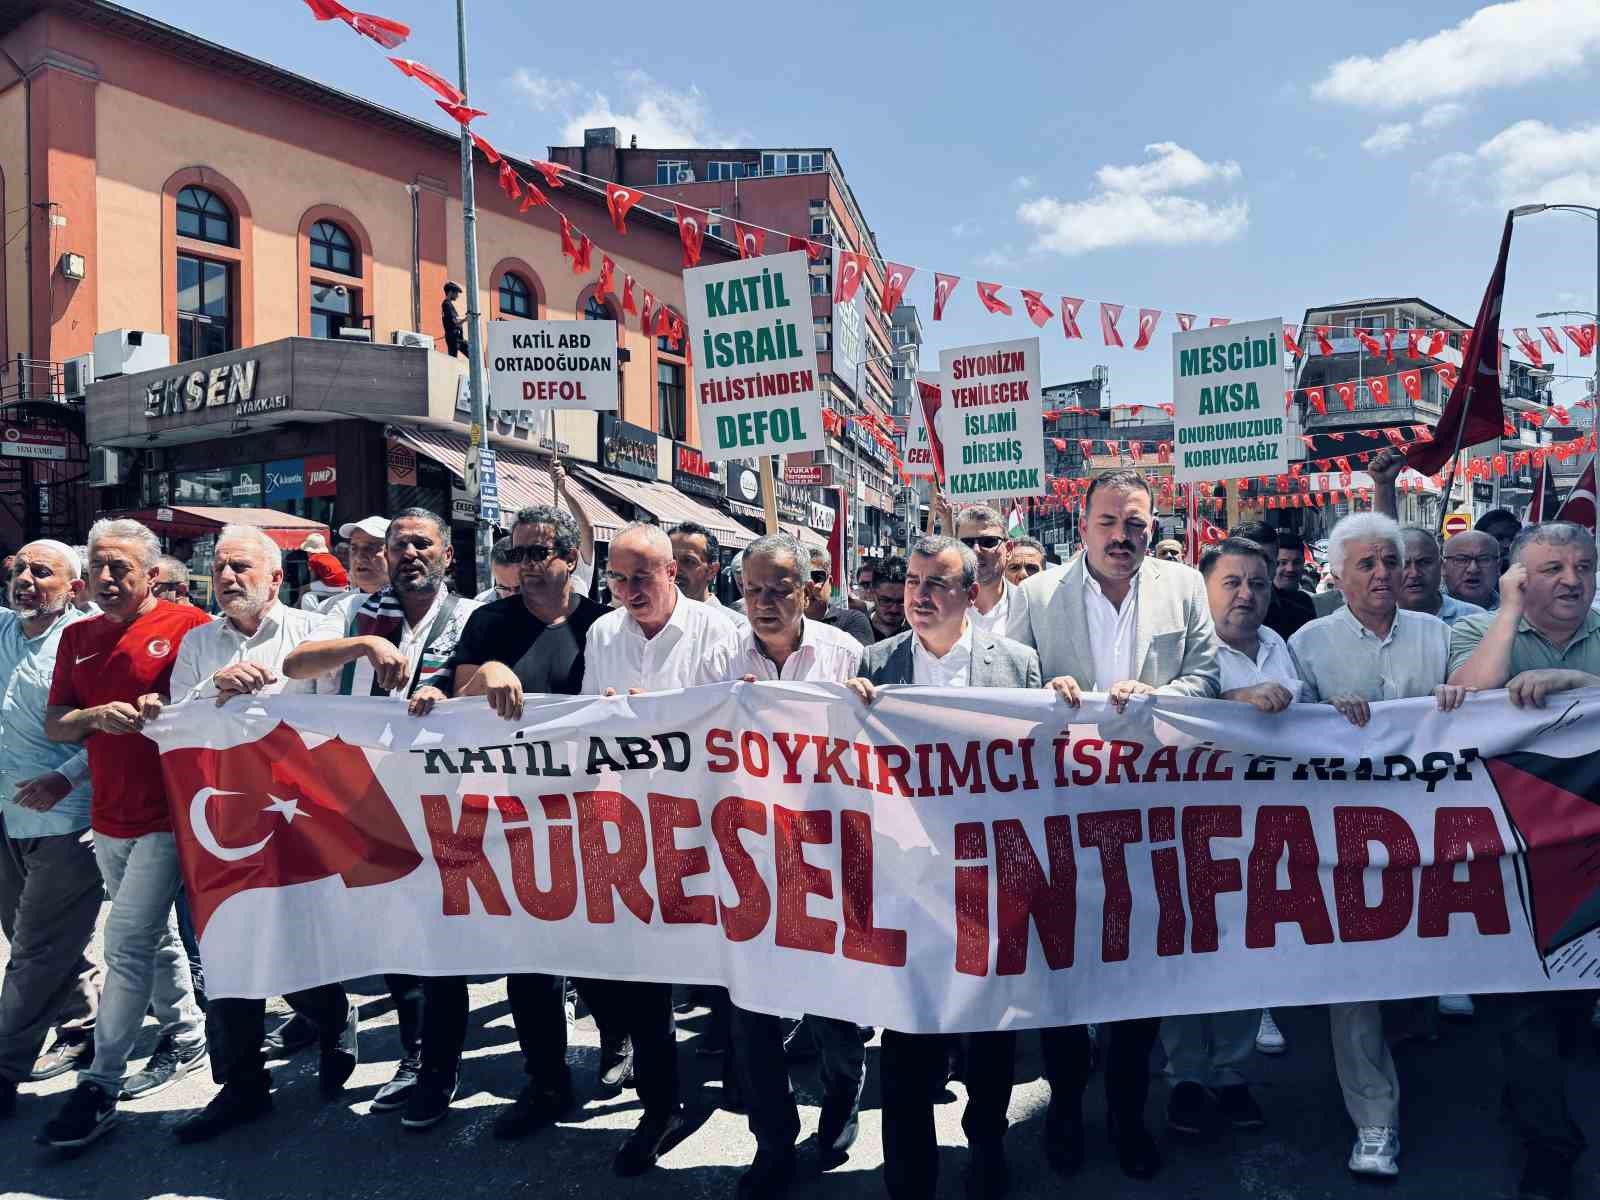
(948, 860)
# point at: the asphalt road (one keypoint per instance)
(1454, 1144)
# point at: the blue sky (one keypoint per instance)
(1245, 160)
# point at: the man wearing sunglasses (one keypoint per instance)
(1000, 603)
(819, 605)
(172, 580)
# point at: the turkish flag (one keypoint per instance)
(1110, 314)
(1217, 322)
(813, 249)
(429, 78)
(1317, 400)
(482, 143)
(931, 399)
(1069, 316)
(551, 172)
(1437, 341)
(647, 309)
(1579, 506)
(895, 279)
(460, 113)
(1583, 337)
(663, 322)
(382, 30)
(1324, 346)
(1185, 321)
(608, 277)
(1411, 381)
(1347, 395)
(272, 813)
(1388, 344)
(1033, 303)
(989, 294)
(583, 262)
(1546, 499)
(532, 197)
(628, 306)
(1149, 318)
(943, 286)
(1414, 343)
(619, 200)
(692, 233)
(750, 240)
(1289, 343)
(568, 247)
(852, 266)
(1529, 347)
(1369, 343)
(1474, 412)
(508, 181)
(1378, 385)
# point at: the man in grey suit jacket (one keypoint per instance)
(1115, 620)
(944, 649)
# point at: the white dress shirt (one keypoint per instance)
(997, 620)
(207, 649)
(1111, 633)
(953, 670)
(1272, 664)
(696, 646)
(740, 621)
(826, 655)
(1337, 655)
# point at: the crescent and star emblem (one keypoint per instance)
(287, 809)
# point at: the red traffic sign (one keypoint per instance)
(1457, 522)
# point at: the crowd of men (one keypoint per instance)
(97, 641)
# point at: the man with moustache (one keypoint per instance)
(1000, 603)
(394, 642)
(50, 886)
(1118, 621)
(819, 586)
(1419, 581)
(944, 649)
(1025, 559)
(241, 653)
(108, 671)
(1472, 568)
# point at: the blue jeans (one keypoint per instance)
(145, 962)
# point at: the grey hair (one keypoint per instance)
(315, 544)
(83, 558)
(559, 519)
(818, 554)
(124, 529)
(269, 550)
(1551, 533)
(176, 567)
(985, 516)
(1363, 527)
(778, 545)
(934, 545)
(653, 535)
(70, 558)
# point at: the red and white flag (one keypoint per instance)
(1069, 316)
(751, 240)
(691, 233)
(1579, 506)
(1034, 303)
(1583, 337)
(1411, 381)
(1530, 347)
(1185, 321)
(852, 266)
(813, 249)
(989, 294)
(1551, 340)
(1149, 318)
(895, 279)
(943, 286)
(619, 200)
(1110, 314)
(429, 78)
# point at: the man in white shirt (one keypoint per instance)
(368, 570)
(781, 643)
(239, 653)
(1001, 604)
(655, 640)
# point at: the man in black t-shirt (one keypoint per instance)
(530, 643)
(819, 608)
(1289, 607)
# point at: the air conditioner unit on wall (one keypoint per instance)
(412, 339)
(106, 466)
(685, 174)
(76, 375)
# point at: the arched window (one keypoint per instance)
(202, 215)
(516, 297)
(597, 310)
(332, 249)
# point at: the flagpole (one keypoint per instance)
(471, 469)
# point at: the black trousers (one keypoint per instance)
(235, 1028)
(1529, 1027)
(538, 1012)
(407, 993)
(642, 1012)
(910, 1068)
(763, 1072)
(1066, 1066)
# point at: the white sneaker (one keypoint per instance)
(1269, 1038)
(1457, 1007)
(1377, 1151)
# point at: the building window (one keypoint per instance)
(202, 215)
(820, 283)
(332, 249)
(668, 169)
(819, 218)
(204, 308)
(824, 335)
(714, 222)
(333, 306)
(597, 310)
(787, 163)
(717, 170)
(516, 297)
(672, 417)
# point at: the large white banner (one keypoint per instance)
(943, 860)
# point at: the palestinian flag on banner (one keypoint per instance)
(1016, 523)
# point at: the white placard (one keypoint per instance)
(919, 454)
(992, 421)
(755, 357)
(1227, 398)
(552, 364)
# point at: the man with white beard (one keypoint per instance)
(239, 653)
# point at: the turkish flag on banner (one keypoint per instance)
(1529, 347)
(943, 287)
(1289, 343)
(1378, 385)
(852, 266)
(1324, 346)
(608, 278)
(429, 78)
(813, 249)
(489, 152)
(1411, 381)
(988, 293)
(647, 310)
(1110, 314)
(1474, 413)
(1388, 344)
(1069, 316)
(895, 279)
(752, 242)
(628, 306)
(1149, 318)
(1552, 340)
(1579, 506)
(1347, 395)
(1185, 321)
(532, 197)
(460, 113)
(1317, 400)
(691, 233)
(1034, 303)
(1583, 337)
(508, 181)
(1219, 321)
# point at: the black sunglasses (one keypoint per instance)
(819, 577)
(987, 540)
(517, 555)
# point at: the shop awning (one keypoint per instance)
(808, 536)
(524, 478)
(179, 521)
(669, 506)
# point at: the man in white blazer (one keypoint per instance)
(1118, 621)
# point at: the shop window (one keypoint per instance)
(205, 324)
(332, 249)
(202, 215)
(671, 400)
(516, 297)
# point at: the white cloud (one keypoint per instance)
(541, 91)
(1529, 162)
(1437, 116)
(1137, 206)
(1387, 139)
(1500, 45)
(964, 228)
(658, 115)
(1022, 183)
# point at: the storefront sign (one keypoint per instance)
(627, 449)
(190, 392)
(461, 509)
(552, 364)
(755, 356)
(221, 487)
(1227, 385)
(743, 483)
(402, 464)
(246, 487)
(816, 475)
(17, 441)
(994, 431)
(692, 474)
(322, 475)
(285, 480)
(819, 517)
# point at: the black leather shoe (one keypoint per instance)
(1192, 1112)
(1137, 1153)
(645, 1144)
(1063, 1137)
(288, 1039)
(837, 1130)
(340, 1055)
(233, 1105)
(987, 1176)
(616, 1066)
(767, 1178)
(535, 1108)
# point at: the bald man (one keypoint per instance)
(1472, 568)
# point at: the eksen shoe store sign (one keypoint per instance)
(190, 392)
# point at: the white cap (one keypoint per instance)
(377, 527)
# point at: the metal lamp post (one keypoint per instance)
(472, 475)
(1593, 213)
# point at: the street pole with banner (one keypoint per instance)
(471, 469)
